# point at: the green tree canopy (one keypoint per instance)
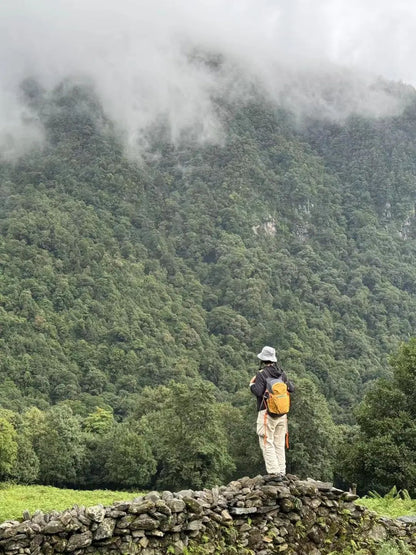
(8, 447)
(383, 452)
(187, 436)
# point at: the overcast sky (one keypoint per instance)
(136, 51)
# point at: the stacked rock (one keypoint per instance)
(261, 515)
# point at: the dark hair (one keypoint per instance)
(263, 362)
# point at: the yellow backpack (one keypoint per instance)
(276, 397)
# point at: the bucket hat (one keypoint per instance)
(267, 353)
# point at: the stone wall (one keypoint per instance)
(260, 515)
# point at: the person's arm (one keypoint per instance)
(258, 384)
(290, 385)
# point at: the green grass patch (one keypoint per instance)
(394, 504)
(16, 499)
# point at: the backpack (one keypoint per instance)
(276, 396)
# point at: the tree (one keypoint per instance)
(187, 437)
(26, 467)
(239, 420)
(127, 459)
(60, 447)
(8, 447)
(383, 452)
(99, 422)
(313, 436)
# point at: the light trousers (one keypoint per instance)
(272, 440)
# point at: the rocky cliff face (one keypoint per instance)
(260, 515)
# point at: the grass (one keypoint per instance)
(394, 504)
(14, 500)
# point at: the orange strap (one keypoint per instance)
(287, 433)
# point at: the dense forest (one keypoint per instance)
(135, 294)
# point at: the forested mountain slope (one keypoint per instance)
(118, 274)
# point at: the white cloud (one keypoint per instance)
(137, 52)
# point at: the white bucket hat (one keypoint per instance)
(267, 353)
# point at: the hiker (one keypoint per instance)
(272, 419)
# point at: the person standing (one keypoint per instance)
(271, 428)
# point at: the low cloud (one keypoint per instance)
(323, 56)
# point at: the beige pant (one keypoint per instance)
(272, 439)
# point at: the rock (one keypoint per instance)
(152, 496)
(47, 549)
(287, 505)
(193, 505)
(275, 478)
(163, 508)
(54, 527)
(105, 529)
(195, 525)
(122, 505)
(8, 529)
(38, 517)
(66, 517)
(167, 495)
(245, 527)
(176, 505)
(144, 522)
(144, 542)
(377, 533)
(304, 488)
(321, 486)
(185, 493)
(243, 510)
(346, 496)
(283, 492)
(407, 519)
(156, 533)
(312, 503)
(178, 547)
(226, 515)
(270, 491)
(125, 521)
(266, 509)
(15, 543)
(114, 513)
(36, 541)
(96, 513)
(78, 541)
(60, 545)
(79, 520)
(141, 506)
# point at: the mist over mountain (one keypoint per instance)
(143, 58)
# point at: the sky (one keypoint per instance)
(138, 54)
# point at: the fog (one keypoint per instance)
(321, 57)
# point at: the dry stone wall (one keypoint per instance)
(260, 515)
